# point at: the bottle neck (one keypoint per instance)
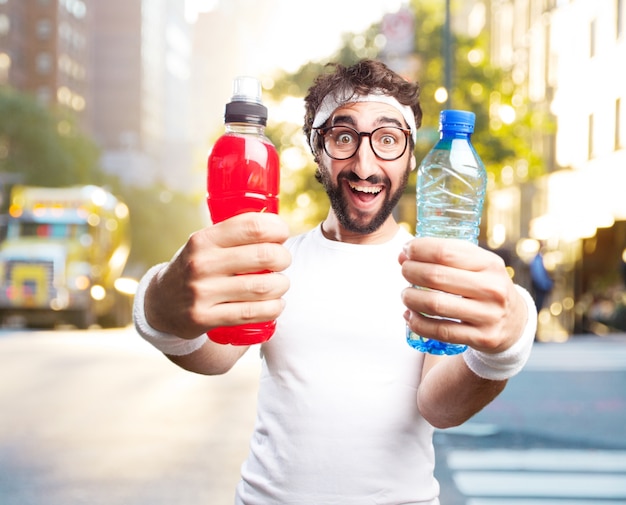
(454, 134)
(245, 128)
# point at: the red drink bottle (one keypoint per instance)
(243, 176)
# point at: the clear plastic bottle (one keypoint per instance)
(243, 175)
(451, 184)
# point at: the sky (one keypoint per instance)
(278, 35)
(326, 20)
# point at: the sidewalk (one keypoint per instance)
(580, 353)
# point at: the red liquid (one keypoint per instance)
(243, 176)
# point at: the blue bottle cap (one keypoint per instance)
(457, 120)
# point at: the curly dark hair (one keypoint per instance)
(362, 78)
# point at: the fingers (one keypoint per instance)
(188, 307)
(246, 243)
(238, 300)
(248, 228)
(215, 279)
(210, 260)
(245, 312)
(237, 289)
(483, 325)
(454, 332)
(467, 286)
(450, 252)
(454, 266)
(475, 312)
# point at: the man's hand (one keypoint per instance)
(492, 313)
(201, 287)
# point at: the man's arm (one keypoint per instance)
(450, 393)
(497, 321)
(210, 359)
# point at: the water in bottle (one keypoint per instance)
(451, 184)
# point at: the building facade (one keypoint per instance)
(566, 55)
(122, 66)
(141, 79)
(45, 50)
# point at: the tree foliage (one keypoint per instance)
(161, 221)
(43, 146)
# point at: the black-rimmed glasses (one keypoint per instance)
(342, 142)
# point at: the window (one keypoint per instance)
(44, 29)
(77, 8)
(43, 63)
(5, 24)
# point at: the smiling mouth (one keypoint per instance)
(366, 190)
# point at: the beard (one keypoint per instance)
(357, 221)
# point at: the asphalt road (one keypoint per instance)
(100, 417)
(555, 436)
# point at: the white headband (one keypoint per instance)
(332, 102)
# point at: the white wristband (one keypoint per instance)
(164, 342)
(506, 364)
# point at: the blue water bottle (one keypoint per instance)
(451, 184)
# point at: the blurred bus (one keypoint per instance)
(64, 250)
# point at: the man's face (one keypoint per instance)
(363, 190)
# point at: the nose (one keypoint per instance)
(365, 160)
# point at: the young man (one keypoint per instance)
(346, 408)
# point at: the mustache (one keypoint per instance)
(352, 177)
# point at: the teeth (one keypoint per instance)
(367, 189)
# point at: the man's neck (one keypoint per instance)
(332, 230)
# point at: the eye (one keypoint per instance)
(388, 140)
(344, 137)
(388, 137)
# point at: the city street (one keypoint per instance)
(556, 436)
(100, 417)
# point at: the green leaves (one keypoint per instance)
(45, 147)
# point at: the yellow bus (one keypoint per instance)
(64, 250)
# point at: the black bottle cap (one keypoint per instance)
(245, 105)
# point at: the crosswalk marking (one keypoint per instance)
(557, 485)
(539, 476)
(571, 460)
(556, 501)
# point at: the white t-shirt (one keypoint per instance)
(337, 418)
